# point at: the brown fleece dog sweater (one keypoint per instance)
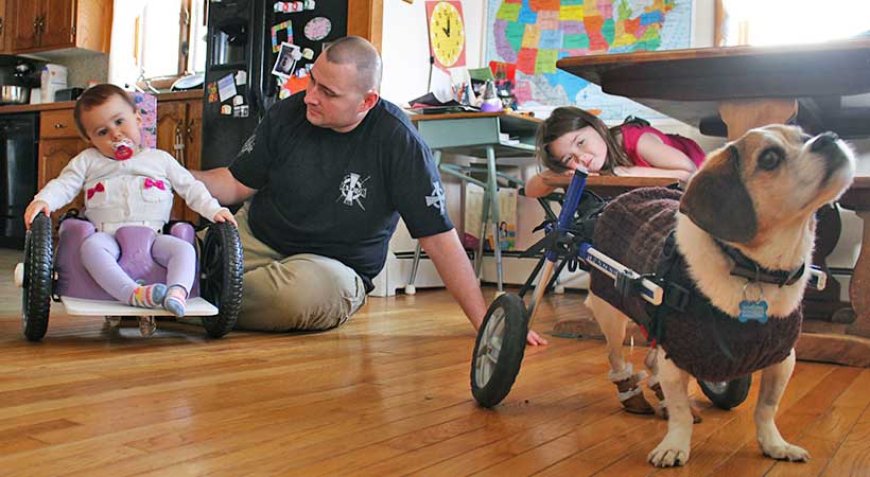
(702, 340)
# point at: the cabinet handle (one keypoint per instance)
(1, 25)
(59, 125)
(179, 145)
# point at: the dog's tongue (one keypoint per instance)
(123, 150)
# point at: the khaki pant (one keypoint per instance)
(300, 292)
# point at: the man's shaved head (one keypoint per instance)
(360, 53)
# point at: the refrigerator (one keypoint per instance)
(255, 47)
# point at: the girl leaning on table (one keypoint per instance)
(572, 138)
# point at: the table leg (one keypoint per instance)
(861, 283)
(492, 189)
(741, 116)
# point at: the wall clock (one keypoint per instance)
(446, 33)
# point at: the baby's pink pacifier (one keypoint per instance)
(123, 149)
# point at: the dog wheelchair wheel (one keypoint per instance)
(727, 394)
(36, 289)
(498, 351)
(221, 277)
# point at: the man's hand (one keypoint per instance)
(534, 339)
(33, 209)
(224, 215)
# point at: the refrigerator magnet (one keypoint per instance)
(291, 7)
(317, 28)
(238, 100)
(287, 58)
(288, 26)
(226, 109)
(226, 88)
(240, 111)
(212, 92)
(241, 77)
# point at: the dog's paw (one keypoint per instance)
(666, 454)
(786, 451)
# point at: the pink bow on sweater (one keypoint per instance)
(149, 183)
(97, 188)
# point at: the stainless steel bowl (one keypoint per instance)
(14, 94)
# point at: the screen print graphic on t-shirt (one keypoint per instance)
(437, 198)
(352, 189)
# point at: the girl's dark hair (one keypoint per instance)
(96, 96)
(569, 118)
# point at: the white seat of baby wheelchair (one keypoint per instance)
(79, 306)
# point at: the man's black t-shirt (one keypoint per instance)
(339, 195)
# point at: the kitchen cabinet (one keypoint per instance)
(179, 132)
(4, 17)
(41, 25)
(58, 143)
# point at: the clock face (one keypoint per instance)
(446, 34)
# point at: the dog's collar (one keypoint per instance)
(750, 269)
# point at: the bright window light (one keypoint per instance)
(780, 22)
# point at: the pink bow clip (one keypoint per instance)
(97, 188)
(149, 183)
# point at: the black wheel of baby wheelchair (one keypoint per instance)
(498, 351)
(36, 288)
(221, 266)
(727, 394)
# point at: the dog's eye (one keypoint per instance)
(770, 158)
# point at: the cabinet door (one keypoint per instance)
(193, 145)
(171, 137)
(57, 24)
(4, 20)
(23, 23)
(54, 154)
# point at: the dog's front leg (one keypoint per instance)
(612, 323)
(773, 381)
(674, 449)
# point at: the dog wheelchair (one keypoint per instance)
(46, 276)
(501, 339)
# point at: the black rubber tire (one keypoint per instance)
(728, 395)
(36, 292)
(221, 269)
(510, 310)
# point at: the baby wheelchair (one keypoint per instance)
(501, 339)
(47, 275)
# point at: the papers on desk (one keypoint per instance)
(507, 140)
(429, 103)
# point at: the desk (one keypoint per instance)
(730, 90)
(477, 135)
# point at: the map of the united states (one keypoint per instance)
(534, 34)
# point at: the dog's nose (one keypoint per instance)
(824, 140)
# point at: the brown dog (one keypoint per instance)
(740, 248)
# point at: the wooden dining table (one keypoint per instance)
(727, 91)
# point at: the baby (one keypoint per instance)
(127, 184)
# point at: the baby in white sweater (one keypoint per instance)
(126, 184)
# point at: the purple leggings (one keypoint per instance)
(100, 254)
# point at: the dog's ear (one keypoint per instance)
(717, 200)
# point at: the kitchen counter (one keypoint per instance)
(27, 108)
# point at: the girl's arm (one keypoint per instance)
(660, 155)
(545, 182)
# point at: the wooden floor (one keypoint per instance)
(387, 394)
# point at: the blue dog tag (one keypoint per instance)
(753, 310)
